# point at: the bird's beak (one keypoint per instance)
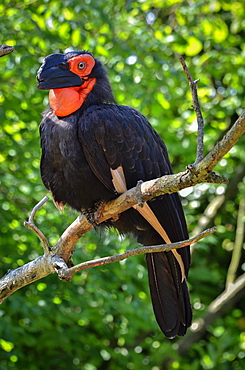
(54, 73)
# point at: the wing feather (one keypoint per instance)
(121, 147)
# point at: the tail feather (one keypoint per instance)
(169, 294)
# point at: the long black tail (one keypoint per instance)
(169, 293)
(170, 296)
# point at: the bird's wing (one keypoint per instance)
(118, 137)
(121, 146)
(114, 136)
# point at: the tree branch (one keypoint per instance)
(30, 225)
(24, 275)
(224, 146)
(197, 109)
(5, 49)
(68, 273)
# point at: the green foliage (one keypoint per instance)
(104, 319)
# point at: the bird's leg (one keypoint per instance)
(89, 214)
(93, 215)
(139, 193)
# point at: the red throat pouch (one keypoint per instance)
(69, 99)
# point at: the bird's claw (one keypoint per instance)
(93, 215)
(138, 194)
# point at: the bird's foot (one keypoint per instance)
(139, 193)
(93, 215)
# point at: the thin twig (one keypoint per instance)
(36, 208)
(31, 225)
(67, 274)
(197, 109)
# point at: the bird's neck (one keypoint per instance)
(69, 99)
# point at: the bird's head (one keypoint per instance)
(65, 70)
(71, 77)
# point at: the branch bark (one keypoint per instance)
(197, 109)
(5, 49)
(68, 273)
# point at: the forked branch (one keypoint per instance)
(57, 258)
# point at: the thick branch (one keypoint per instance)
(24, 275)
(224, 146)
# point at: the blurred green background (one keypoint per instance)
(103, 319)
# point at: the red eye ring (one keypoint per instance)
(81, 65)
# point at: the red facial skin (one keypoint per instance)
(67, 100)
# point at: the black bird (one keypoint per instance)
(93, 150)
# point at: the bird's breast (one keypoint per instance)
(64, 169)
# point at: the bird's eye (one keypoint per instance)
(81, 65)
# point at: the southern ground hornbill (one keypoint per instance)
(93, 150)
